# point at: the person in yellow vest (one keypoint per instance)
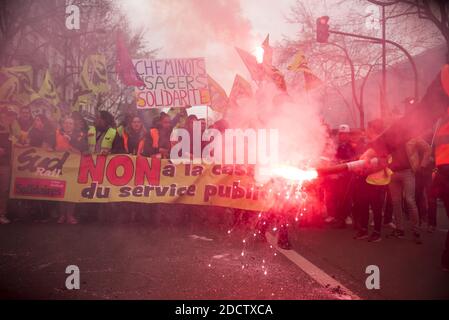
(101, 135)
(433, 106)
(441, 181)
(101, 140)
(67, 138)
(370, 190)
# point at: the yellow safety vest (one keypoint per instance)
(382, 177)
(106, 143)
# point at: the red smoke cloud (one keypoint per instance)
(195, 28)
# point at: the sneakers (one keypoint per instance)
(72, 220)
(390, 225)
(61, 219)
(361, 235)
(4, 220)
(417, 238)
(431, 229)
(374, 237)
(396, 233)
(348, 220)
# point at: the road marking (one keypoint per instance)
(314, 272)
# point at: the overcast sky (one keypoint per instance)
(254, 18)
(212, 28)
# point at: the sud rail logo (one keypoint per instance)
(43, 168)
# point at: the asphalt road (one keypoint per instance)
(201, 260)
(140, 262)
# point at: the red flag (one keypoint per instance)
(311, 81)
(276, 77)
(267, 52)
(240, 89)
(124, 66)
(262, 71)
(255, 69)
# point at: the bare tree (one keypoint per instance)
(435, 12)
(34, 33)
(345, 61)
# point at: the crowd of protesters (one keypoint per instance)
(72, 133)
(399, 188)
(396, 189)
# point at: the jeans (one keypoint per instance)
(388, 214)
(442, 185)
(403, 183)
(432, 202)
(423, 180)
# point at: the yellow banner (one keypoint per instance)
(72, 177)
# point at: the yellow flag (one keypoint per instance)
(48, 90)
(24, 73)
(215, 96)
(299, 63)
(15, 85)
(8, 87)
(94, 76)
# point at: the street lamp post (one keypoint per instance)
(383, 104)
(383, 41)
(397, 45)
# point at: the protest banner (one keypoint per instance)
(38, 174)
(171, 82)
